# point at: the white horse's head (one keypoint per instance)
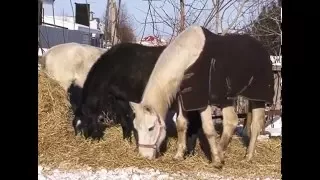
(151, 129)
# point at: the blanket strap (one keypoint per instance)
(245, 87)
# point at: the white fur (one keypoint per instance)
(167, 75)
(174, 118)
(70, 62)
(78, 122)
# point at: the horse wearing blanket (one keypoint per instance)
(200, 69)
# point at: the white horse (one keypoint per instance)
(165, 82)
(161, 91)
(70, 62)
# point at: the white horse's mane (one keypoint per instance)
(167, 75)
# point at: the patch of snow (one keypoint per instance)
(275, 128)
(130, 173)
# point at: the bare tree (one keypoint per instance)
(267, 28)
(124, 30)
(167, 17)
(125, 26)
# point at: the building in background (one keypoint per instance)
(152, 41)
(54, 30)
(63, 29)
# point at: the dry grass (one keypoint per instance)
(59, 147)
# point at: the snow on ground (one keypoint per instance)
(275, 128)
(130, 173)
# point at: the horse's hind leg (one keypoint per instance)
(230, 121)
(182, 126)
(258, 115)
(211, 134)
(248, 123)
(247, 126)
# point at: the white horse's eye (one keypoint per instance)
(151, 129)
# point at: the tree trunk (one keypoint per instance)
(182, 16)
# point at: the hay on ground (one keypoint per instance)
(59, 147)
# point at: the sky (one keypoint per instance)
(134, 7)
(137, 10)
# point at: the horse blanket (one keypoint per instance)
(229, 66)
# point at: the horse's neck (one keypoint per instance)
(167, 75)
(163, 86)
(158, 103)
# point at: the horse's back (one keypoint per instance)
(70, 61)
(228, 66)
(117, 77)
(243, 67)
(72, 53)
(123, 70)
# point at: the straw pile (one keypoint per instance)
(58, 147)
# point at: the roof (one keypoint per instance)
(152, 41)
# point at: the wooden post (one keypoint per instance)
(182, 16)
(217, 21)
(113, 20)
(54, 21)
(277, 91)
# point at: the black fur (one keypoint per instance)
(227, 67)
(74, 92)
(118, 76)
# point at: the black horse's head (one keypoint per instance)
(90, 125)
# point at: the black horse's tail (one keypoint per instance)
(75, 95)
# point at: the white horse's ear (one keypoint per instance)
(134, 106)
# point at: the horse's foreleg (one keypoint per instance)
(258, 115)
(126, 128)
(211, 134)
(230, 121)
(181, 125)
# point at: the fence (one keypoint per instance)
(51, 36)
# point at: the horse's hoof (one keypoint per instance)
(247, 158)
(178, 158)
(136, 149)
(190, 153)
(217, 165)
(222, 156)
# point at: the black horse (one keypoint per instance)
(118, 76)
